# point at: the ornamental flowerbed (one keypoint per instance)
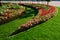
(44, 13)
(10, 11)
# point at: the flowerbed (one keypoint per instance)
(42, 15)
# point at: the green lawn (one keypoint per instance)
(50, 30)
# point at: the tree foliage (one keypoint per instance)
(48, 0)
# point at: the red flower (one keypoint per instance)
(51, 9)
(6, 14)
(44, 12)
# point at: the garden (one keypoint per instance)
(28, 21)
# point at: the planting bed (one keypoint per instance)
(11, 11)
(42, 13)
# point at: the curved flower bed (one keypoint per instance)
(42, 16)
(10, 12)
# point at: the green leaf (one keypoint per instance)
(16, 6)
(4, 7)
(29, 9)
(2, 12)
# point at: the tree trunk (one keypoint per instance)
(47, 3)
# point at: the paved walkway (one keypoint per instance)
(54, 3)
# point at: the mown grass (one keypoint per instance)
(50, 30)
